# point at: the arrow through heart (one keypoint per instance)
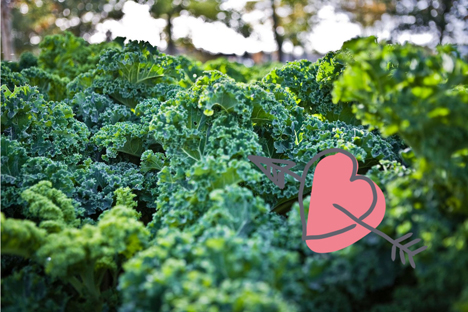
(344, 206)
(336, 182)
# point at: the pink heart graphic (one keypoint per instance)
(336, 182)
(344, 205)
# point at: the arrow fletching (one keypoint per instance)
(275, 169)
(405, 249)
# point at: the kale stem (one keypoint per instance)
(90, 283)
(76, 284)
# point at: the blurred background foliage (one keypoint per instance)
(287, 23)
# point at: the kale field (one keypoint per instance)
(126, 183)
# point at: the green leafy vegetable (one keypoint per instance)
(126, 183)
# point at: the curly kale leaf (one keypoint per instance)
(96, 183)
(234, 207)
(215, 113)
(43, 128)
(191, 67)
(97, 110)
(312, 83)
(218, 262)
(27, 60)
(81, 83)
(236, 71)
(28, 289)
(11, 79)
(14, 156)
(49, 205)
(42, 168)
(391, 80)
(74, 250)
(422, 96)
(152, 161)
(313, 137)
(51, 86)
(20, 237)
(316, 135)
(131, 138)
(68, 56)
(19, 173)
(91, 184)
(135, 73)
(20, 109)
(79, 257)
(184, 196)
(125, 137)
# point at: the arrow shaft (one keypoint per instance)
(367, 226)
(394, 242)
(294, 175)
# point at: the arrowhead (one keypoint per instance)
(274, 171)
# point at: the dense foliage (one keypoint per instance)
(126, 183)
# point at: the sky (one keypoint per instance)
(328, 35)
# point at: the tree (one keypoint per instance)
(446, 19)
(291, 20)
(366, 13)
(36, 19)
(169, 9)
(31, 20)
(7, 48)
(439, 15)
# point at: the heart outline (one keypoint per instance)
(354, 177)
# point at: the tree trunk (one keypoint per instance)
(446, 7)
(108, 36)
(8, 50)
(278, 38)
(170, 42)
